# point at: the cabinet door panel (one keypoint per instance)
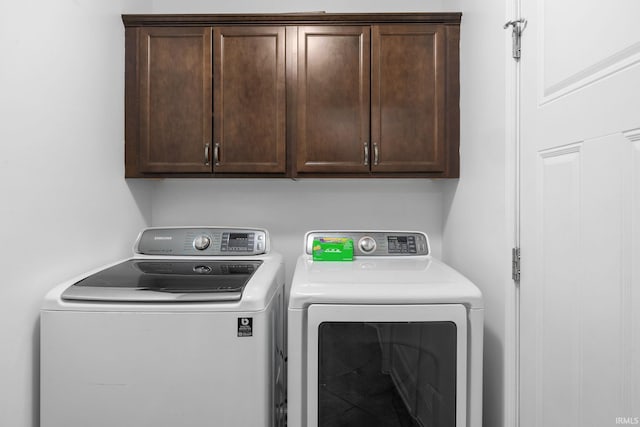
(333, 99)
(408, 98)
(250, 97)
(175, 99)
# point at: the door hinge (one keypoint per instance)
(518, 27)
(515, 264)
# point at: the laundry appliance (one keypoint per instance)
(188, 332)
(390, 339)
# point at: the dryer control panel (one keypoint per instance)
(377, 243)
(202, 241)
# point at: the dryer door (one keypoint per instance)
(387, 365)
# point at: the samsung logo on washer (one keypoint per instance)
(162, 238)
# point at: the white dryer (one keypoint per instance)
(391, 339)
(188, 332)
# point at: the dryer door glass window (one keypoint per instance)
(387, 374)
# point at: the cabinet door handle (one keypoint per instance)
(366, 153)
(376, 154)
(206, 154)
(216, 154)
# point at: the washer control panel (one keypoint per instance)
(377, 243)
(202, 241)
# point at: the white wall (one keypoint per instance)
(65, 206)
(478, 219)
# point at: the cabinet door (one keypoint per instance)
(333, 99)
(408, 98)
(249, 100)
(175, 99)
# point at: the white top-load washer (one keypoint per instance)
(392, 338)
(188, 332)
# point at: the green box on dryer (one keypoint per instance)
(333, 249)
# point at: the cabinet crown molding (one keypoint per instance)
(188, 20)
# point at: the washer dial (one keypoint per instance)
(201, 242)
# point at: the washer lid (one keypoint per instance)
(165, 281)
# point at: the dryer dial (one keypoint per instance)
(367, 244)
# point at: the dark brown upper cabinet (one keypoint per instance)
(209, 101)
(403, 128)
(333, 99)
(249, 100)
(174, 100)
(408, 98)
(292, 95)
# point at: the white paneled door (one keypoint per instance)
(580, 214)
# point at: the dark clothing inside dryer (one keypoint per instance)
(399, 374)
